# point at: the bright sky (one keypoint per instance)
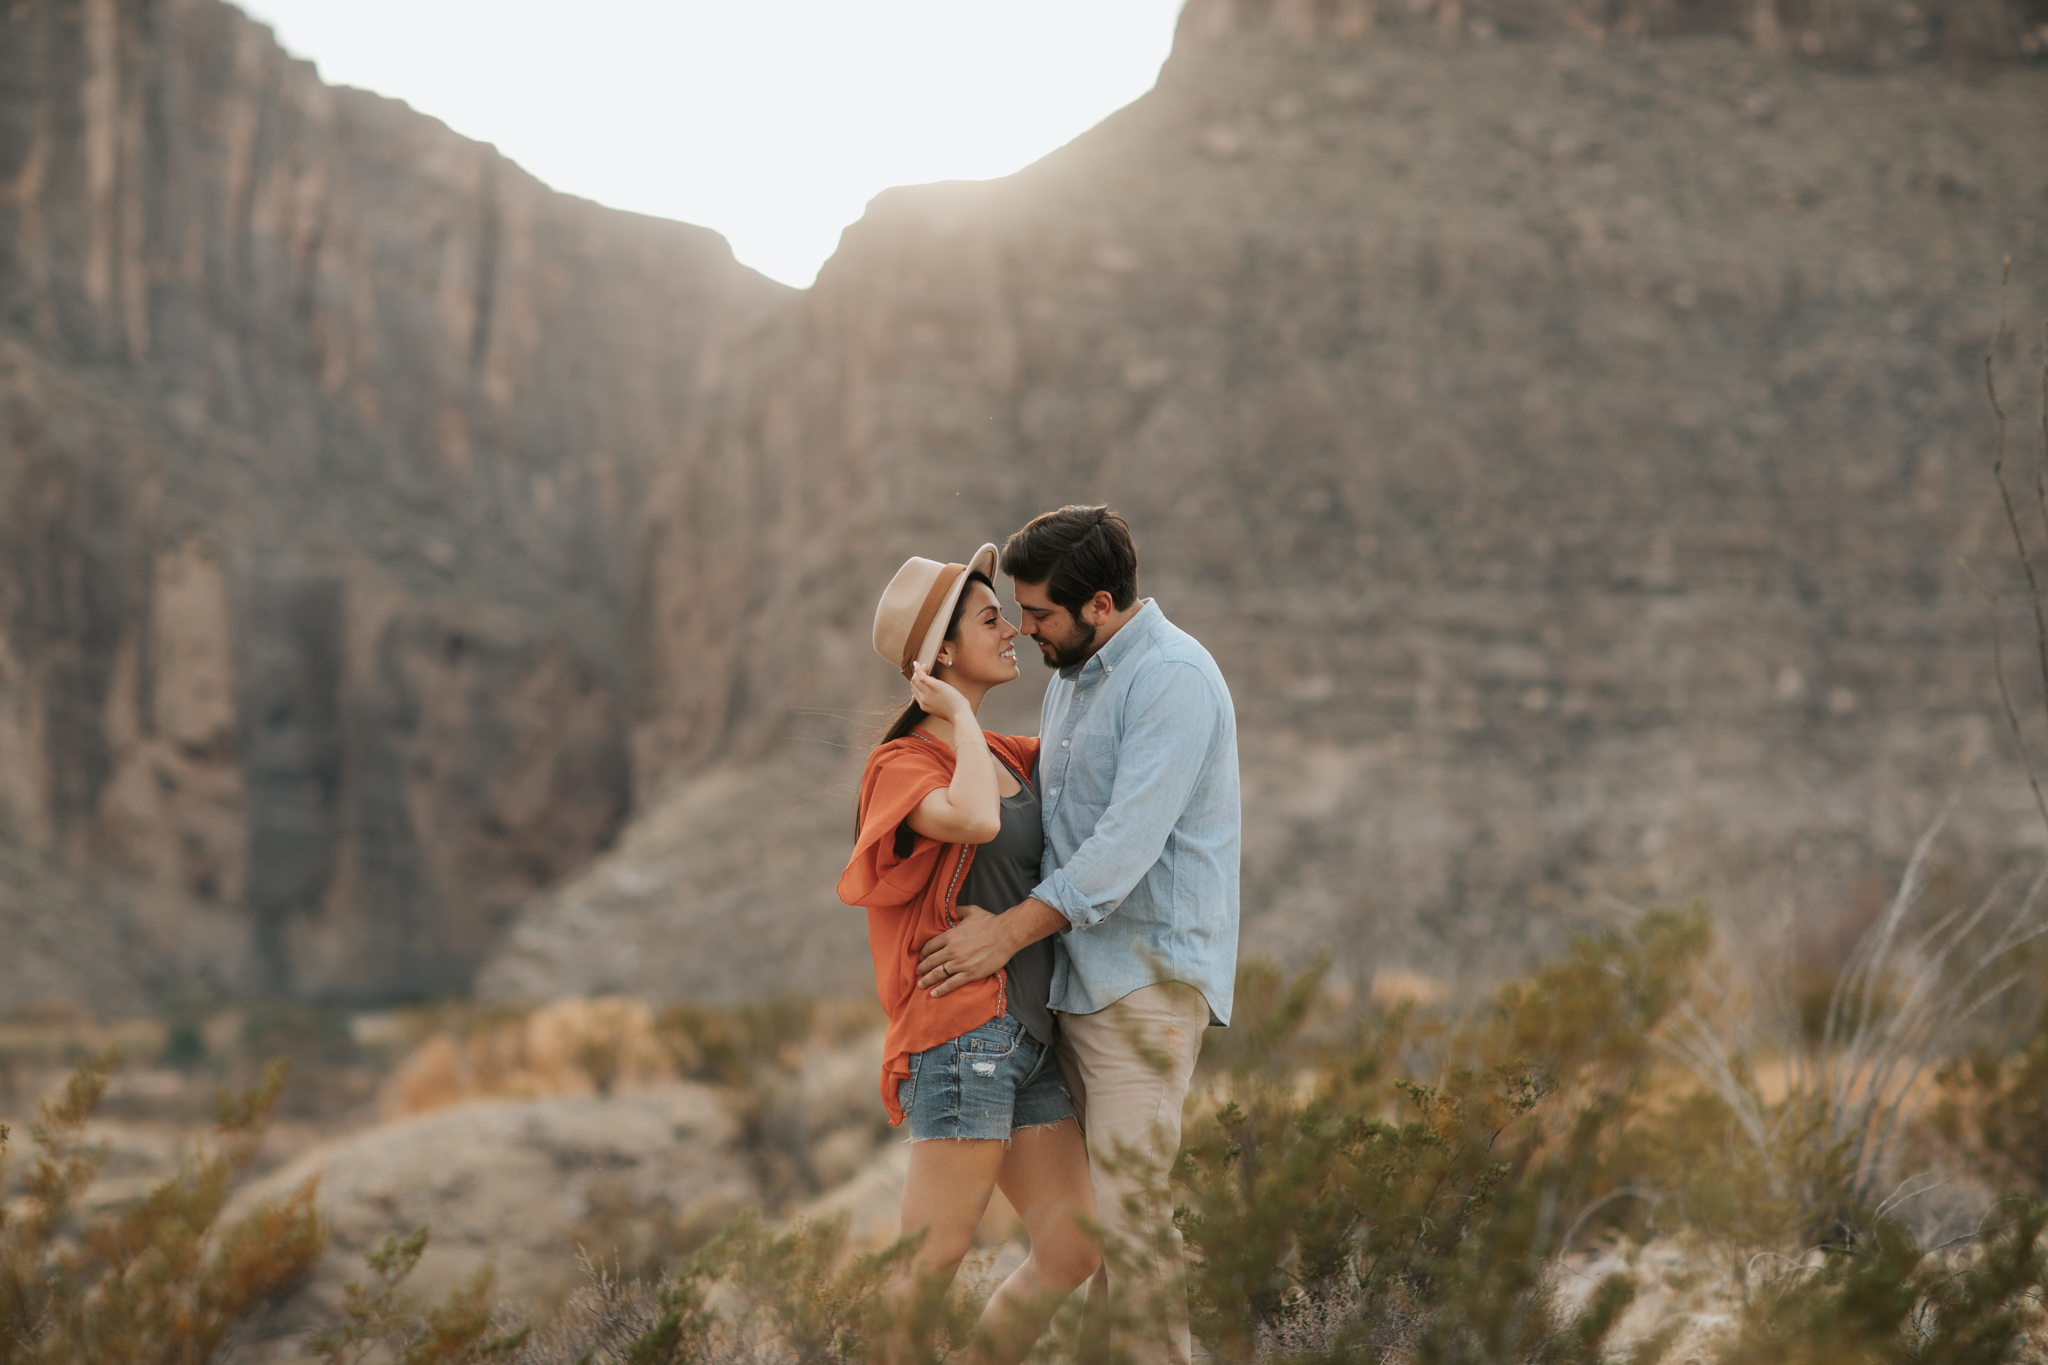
(772, 121)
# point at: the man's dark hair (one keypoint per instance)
(1076, 552)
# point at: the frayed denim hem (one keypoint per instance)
(907, 1141)
(1021, 1128)
(1049, 1123)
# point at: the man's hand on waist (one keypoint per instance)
(981, 944)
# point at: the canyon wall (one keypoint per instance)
(321, 431)
(1563, 422)
(1567, 450)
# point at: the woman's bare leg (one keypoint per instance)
(945, 1194)
(1045, 1175)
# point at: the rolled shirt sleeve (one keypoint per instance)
(1173, 719)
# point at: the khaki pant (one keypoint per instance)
(1128, 1067)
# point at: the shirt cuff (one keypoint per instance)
(1062, 895)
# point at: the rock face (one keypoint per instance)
(1565, 449)
(633, 1179)
(720, 889)
(68, 938)
(320, 431)
(521, 1184)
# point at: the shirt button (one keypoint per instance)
(1063, 744)
(1055, 791)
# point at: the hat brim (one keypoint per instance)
(984, 561)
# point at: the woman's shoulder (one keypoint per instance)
(1021, 750)
(898, 776)
(907, 755)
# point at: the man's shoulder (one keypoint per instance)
(1169, 644)
(1181, 682)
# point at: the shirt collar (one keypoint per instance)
(1120, 645)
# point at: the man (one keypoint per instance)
(1137, 772)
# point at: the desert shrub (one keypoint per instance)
(798, 1289)
(184, 1043)
(1881, 1298)
(1398, 1183)
(383, 1316)
(753, 1296)
(1991, 1111)
(1688, 1163)
(615, 1317)
(571, 1046)
(768, 1057)
(1375, 1202)
(734, 1046)
(1414, 1192)
(160, 1281)
(156, 1280)
(1832, 1138)
(1403, 1185)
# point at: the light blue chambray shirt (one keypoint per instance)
(1137, 769)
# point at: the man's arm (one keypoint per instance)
(1167, 737)
(981, 944)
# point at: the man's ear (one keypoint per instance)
(1098, 609)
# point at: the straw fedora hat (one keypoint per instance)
(911, 621)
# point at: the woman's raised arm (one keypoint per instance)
(967, 811)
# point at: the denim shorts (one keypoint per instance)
(987, 1083)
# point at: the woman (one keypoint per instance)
(949, 817)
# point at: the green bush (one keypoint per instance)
(754, 1296)
(384, 1316)
(1386, 1186)
(1358, 1207)
(1881, 1298)
(1992, 1110)
(1403, 1186)
(157, 1280)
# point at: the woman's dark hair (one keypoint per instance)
(1076, 552)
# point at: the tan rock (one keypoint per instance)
(521, 1183)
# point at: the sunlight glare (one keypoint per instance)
(773, 123)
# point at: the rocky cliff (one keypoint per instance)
(321, 429)
(1566, 449)
(1561, 420)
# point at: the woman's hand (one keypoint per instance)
(940, 698)
(965, 811)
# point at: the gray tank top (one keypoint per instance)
(1004, 872)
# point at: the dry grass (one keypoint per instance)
(571, 1047)
(1827, 1116)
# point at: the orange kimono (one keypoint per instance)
(910, 899)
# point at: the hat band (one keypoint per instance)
(928, 611)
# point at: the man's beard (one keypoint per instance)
(1071, 652)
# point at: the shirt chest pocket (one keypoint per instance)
(1091, 775)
